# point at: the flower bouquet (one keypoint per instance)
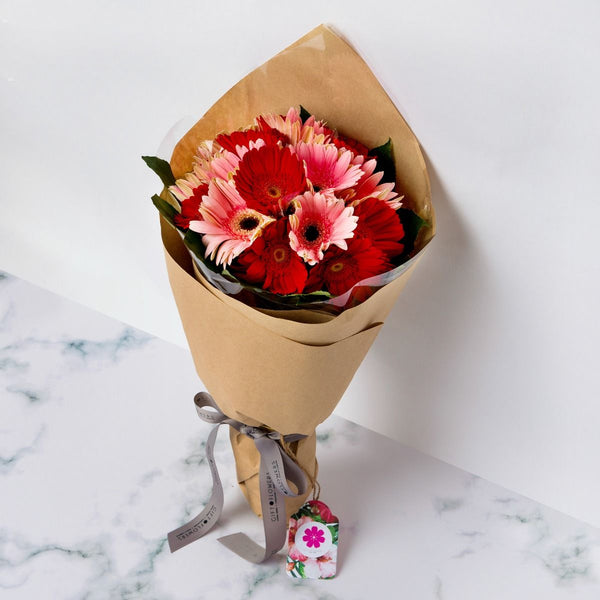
(288, 235)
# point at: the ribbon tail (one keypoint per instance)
(274, 523)
(202, 523)
(275, 469)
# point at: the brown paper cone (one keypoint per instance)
(288, 371)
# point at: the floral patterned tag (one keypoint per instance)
(312, 542)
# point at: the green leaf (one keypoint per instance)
(162, 168)
(165, 209)
(303, 511)
(193, 241)
(385, 161)
(229, 275)
(294, 569)
(304, 114)
(333, 529)
(300, 569)
(412, 224)
(318, 518)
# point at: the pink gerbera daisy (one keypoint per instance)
(293, 129)
(328, 168)
(319, 128)
(368, 186)
(318, 221)
(210, 162)
(228, 225)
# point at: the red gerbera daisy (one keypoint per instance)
(340, 270)
(381, 225)
(243, 138)
(348, 143)
(270, 177)
(271, 263)
(190, 207)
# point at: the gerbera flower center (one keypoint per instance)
(245, 223)
(249, 223)
(274, 192)
(268, 177)
(337, 267)
(321, 181)
(311, 233)
(279, 254)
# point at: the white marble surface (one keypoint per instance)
(101, 454)
(503, 308)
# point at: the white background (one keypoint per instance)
(490, 358)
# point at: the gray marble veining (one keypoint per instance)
(101, 454)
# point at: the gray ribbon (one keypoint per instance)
(276, 469)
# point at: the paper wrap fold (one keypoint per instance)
(287, 370)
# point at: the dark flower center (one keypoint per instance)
(249, 223)
(311, 233)
(337, 267)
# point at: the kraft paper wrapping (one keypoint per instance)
(288, 370)
(247, 461)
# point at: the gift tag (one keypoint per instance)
(312, 542)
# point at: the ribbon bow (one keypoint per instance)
(276, 469)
